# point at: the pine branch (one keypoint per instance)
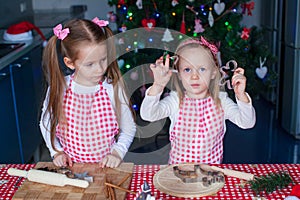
(270, 182)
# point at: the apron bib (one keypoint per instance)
(91, 125)
(198, 133)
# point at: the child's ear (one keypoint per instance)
(69, 63)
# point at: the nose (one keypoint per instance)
(195, 75)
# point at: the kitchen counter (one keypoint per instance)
(29, 45)
(234, 188)
(45, 20)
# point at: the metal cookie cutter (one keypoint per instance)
(198, 175)
(70, 174)
(84, 176)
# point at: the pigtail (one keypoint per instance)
(56, 82)
(214, 88)
(114, 75)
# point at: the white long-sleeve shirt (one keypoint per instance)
(242, 114)
(126, 123)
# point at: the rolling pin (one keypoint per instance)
(229, 172)
(49, 178)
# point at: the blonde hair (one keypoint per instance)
(214, 87)
(81, 31)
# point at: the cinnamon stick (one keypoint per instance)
(112, 193)
(124, 179)
(120, 188)
(105, 188)
(106, 193)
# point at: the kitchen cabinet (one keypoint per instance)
(21, 90)
(20, 136)
(9, 142)
(36, 63)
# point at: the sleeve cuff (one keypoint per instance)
(152, 97)
(121, 153)
(241, 102)
(53, 152)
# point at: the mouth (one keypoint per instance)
(195, 85)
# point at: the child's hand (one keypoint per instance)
(239, 84)
(62, 160)
(112, 160)
(161, 73)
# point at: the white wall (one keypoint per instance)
(95, 8)
(100, 8)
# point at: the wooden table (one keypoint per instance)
(233, 188)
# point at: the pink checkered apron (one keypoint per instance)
(198, 133)
(91, 127)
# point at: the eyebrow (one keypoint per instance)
(199, 66)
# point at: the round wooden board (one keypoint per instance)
(166, 181)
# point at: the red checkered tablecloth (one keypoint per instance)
(231, 190)
(7, 190)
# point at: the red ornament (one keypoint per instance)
(121, 2)
(248, 7)
(245, 33)
(296, 191)
(182, 26)
(149, 24)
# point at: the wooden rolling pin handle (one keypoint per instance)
(76, 182)
(234, 173)
(50, 178)
(17, 172)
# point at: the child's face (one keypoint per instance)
(196, 69)
(91, 64)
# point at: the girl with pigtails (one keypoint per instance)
(86, 116)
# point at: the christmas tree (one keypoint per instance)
(150, 27)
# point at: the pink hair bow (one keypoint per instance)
(61, 33)
(99, 22)
(212, 47)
